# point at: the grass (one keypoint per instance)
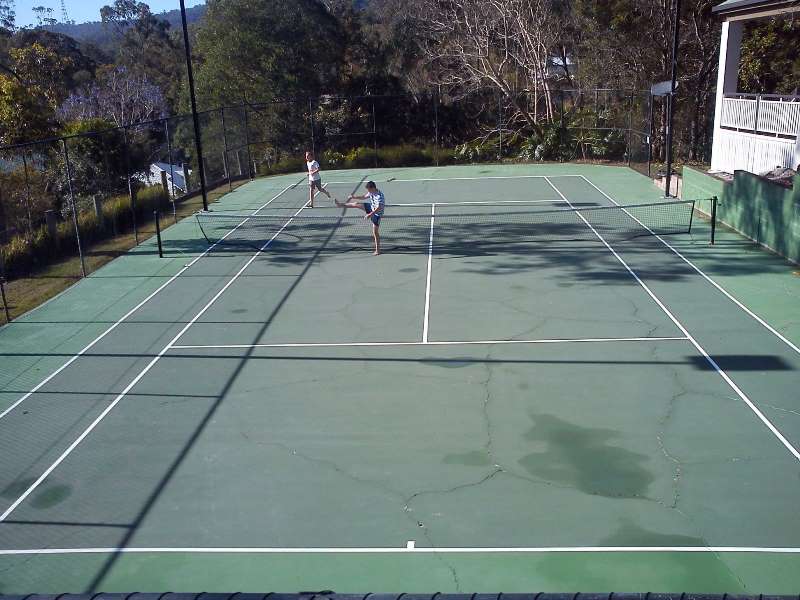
(39, 286)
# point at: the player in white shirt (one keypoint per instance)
(373, 209)
(314, 179)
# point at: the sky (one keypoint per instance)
(81, 11)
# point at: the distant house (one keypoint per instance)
(174, 174)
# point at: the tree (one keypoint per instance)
(29, 100)
(119, 96)
(44, 16)
(7, 16)
(770, 60)
(501, 44)
(266, 50)
(146, 45)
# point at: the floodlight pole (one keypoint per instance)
(671, 97)
(197, 143)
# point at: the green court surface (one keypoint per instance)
(576, 412)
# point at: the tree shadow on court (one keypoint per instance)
(203, 422)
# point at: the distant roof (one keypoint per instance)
(745, 6)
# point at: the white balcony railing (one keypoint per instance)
(772, 115)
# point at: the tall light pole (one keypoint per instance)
(197, 143)
(671, 97)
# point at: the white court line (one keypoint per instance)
(461, 203)
(424, 343)
(727, 294)
(409, 548)
(428, 280)
(694, 342)
(391, 180)
(468, 202)
(124, 317)
(138, 377)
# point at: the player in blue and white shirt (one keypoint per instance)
(373, 204)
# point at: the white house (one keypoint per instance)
(176, 179)
(752, 132)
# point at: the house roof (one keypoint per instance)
(731, 7)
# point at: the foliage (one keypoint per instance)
(300, 56)
(146, 46)
(770, 61)
(119, 96)
(26, 252)
(29, 98)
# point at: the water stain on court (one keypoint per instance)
(631, 534)
(585, 458)
(51, 496)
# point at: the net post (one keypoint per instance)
(74, 206)
(714, 201)
(158, 234)
(3, 294)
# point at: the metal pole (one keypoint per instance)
(27, 192)
(650, 139)
(436, 124)
(158, 234)
(713, 219)
(374, 136)
(3, 293)
(671, 104)
(500, 125)
(126, 153)
(311, 122)
(74, 207)
(195, 120)
(171, 171)
(247, 142)
(630, 130)
(225, 152)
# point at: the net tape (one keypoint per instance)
(463, 230)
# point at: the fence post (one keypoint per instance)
(758, 109)
(500, 125)
(74, 206)
(225, 151)
(171, 171)
(436, 124)
(126, 153)
(374, 136)
(27, 192)
(311, 123)
(3, 294)
(630, 127)
(650, 139)
(247, 142)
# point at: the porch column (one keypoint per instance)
(727, 79)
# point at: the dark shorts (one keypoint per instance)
(376, 218)
(316, 183)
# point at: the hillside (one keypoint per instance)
(96, 33)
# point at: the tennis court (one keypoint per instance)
(478, 407)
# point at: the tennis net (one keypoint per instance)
(447, 229)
